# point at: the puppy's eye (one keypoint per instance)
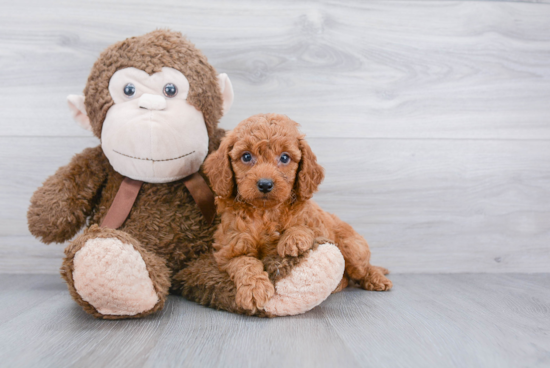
(170, 90)
(246, 157)
(284, 159)
(130, 90)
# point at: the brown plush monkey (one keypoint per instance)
(155, 102)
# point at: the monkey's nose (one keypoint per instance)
(152, 102)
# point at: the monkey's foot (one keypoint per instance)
(110, 277)
(309, 283)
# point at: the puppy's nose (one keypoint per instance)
(265, 185)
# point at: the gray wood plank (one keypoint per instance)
(423, 205)
(448, 321)
(452, 98)
(19, 293)
(25, 164)
(25, 254)
(467, 320)
(409, 69)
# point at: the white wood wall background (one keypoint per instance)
(432, 118)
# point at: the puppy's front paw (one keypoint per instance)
(255, 293)
(294, 243)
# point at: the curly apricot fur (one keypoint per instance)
(283, 222)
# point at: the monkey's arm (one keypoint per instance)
(60, 207)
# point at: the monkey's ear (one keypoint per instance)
(76, 105)
(227, 92)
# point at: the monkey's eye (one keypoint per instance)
(246, 157)
(170, 90)
(284, 159)
(130, 90)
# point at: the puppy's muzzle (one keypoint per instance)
(265, 185)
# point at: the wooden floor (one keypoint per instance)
(460, 320)
(431, 118)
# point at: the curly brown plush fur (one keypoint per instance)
(282, 221)
(164, 244)
(156, 266)
(165, 225)
(150, 53)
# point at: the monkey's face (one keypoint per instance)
(152, 133)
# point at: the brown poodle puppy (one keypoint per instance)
(264, 174)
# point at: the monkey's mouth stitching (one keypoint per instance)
(150, 159)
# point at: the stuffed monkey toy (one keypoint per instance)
(154, 102)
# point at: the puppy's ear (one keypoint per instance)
(217, 167)
(310, 174)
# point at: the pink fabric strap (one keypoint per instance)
(129, 190)
(122, 204)
(202, 194)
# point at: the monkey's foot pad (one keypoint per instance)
(112, 276)
(310, 283)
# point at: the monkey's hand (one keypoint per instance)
(295, 241)
(60, 207)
